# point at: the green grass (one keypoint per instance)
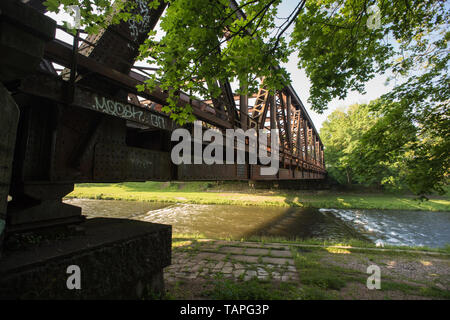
(253, 289)
(324, 280)
(426, 291)
(238, 194)
(320, 276)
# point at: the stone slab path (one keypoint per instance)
(237, 260)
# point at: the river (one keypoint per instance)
(412, 228)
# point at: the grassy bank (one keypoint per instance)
(241, 194)
(327, 271)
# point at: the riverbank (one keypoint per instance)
(241, 194)
(261, 269)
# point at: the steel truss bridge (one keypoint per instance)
(88, 123)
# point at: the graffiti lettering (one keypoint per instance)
(140, 163)
(129, 112)
(157, 121)
(118, 109)
(138, 27)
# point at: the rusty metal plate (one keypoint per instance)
(208, 172)
(145, 164)
(122, 163)
(298, 174)
(242, 171)
(256, 174)
(285, 174)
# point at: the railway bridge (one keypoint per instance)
(71, 113)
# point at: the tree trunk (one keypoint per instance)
(349, 178)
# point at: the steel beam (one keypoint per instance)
(243, 110)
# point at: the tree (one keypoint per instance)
(414, 150)
(340, 44)
(209, 39)
(379, 144)
(341, 134)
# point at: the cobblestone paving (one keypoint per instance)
(233, 259)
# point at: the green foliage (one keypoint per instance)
(410, 142)
(97, 14)
(413, 148)
(384, 144)
(340, 53)
(341, 134)
(206, 43)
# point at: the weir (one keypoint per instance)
(88, 123)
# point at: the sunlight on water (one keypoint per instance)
(382, 227)
(396, 227)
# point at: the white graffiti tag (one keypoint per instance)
(138, 27)
(157, 121)
(126, 111)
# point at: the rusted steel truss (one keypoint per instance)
(102, 81)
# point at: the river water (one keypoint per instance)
(418, 228)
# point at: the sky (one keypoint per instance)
(300, 82)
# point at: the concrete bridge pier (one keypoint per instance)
(99, 259)
(8, 127)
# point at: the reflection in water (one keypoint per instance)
(114, 208)
(393, 227)
(236, 221)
